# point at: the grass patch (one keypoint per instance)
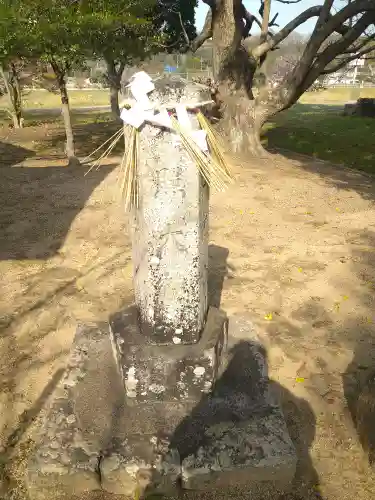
(337, 95)
(322, 132)
(41, 99)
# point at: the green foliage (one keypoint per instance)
(323, 132)
(166, 17)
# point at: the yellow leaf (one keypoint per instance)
(300, 269)
(268, 317)
(300, 379)
(345, 297)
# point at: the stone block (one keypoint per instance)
(78, 422)
(141, 465)
(237, 436)
(256, 453)
(63, 461)
(166, 372)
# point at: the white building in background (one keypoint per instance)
(350, 75)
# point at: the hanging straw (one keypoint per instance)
(115, 139)
(215, 142)
(215, 174)
(213, 166)
(129, 170)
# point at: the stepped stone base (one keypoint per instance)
(232, 441)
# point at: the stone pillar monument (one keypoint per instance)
(170, 230)
(160, 404)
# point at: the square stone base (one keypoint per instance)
(166, 372)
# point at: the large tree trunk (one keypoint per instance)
(243, 114)
(13, 88)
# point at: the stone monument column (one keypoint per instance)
(170, 225)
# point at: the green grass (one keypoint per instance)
(338, 95)
(323, 132)
(40, 99)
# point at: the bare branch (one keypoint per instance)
(307, 70)
(273, 20)
(285, 32)
(265, 20)
(303, 77)
(344, 42)
(186, 36)
(358, 46)
(343, 62)
(249, 20)
(204, 35)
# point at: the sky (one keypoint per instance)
(286, 13)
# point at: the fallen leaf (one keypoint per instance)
(300, 379)
(268, 317)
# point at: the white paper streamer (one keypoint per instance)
(142, 111)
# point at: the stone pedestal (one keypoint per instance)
(152, 372)
(96, 439)
(170, 228)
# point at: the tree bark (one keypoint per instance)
(13, 88)
(114, 75)
(114, 100)
(243, 113)
(234, 70)
(65, 111)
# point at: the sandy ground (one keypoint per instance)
(292, 248)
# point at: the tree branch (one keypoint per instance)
(304, 78)
(204, 35)
(285, 32)
(359, 46)
(249, 20)
(265, 20)
(307, 69)
(343, 62)
(210, 3)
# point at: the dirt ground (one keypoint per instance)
(292, 247)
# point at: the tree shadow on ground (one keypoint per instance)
(26, 419)
(358, 377)
(339, 177)
(11, 154)
(90, 136)
(241, 398)
(38, 206)
(335, 387)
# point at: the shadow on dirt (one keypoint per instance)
(38, 206)
(238, 399)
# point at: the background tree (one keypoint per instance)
(14, 49)
(343, 32)
(124, 33)
(129, 31)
